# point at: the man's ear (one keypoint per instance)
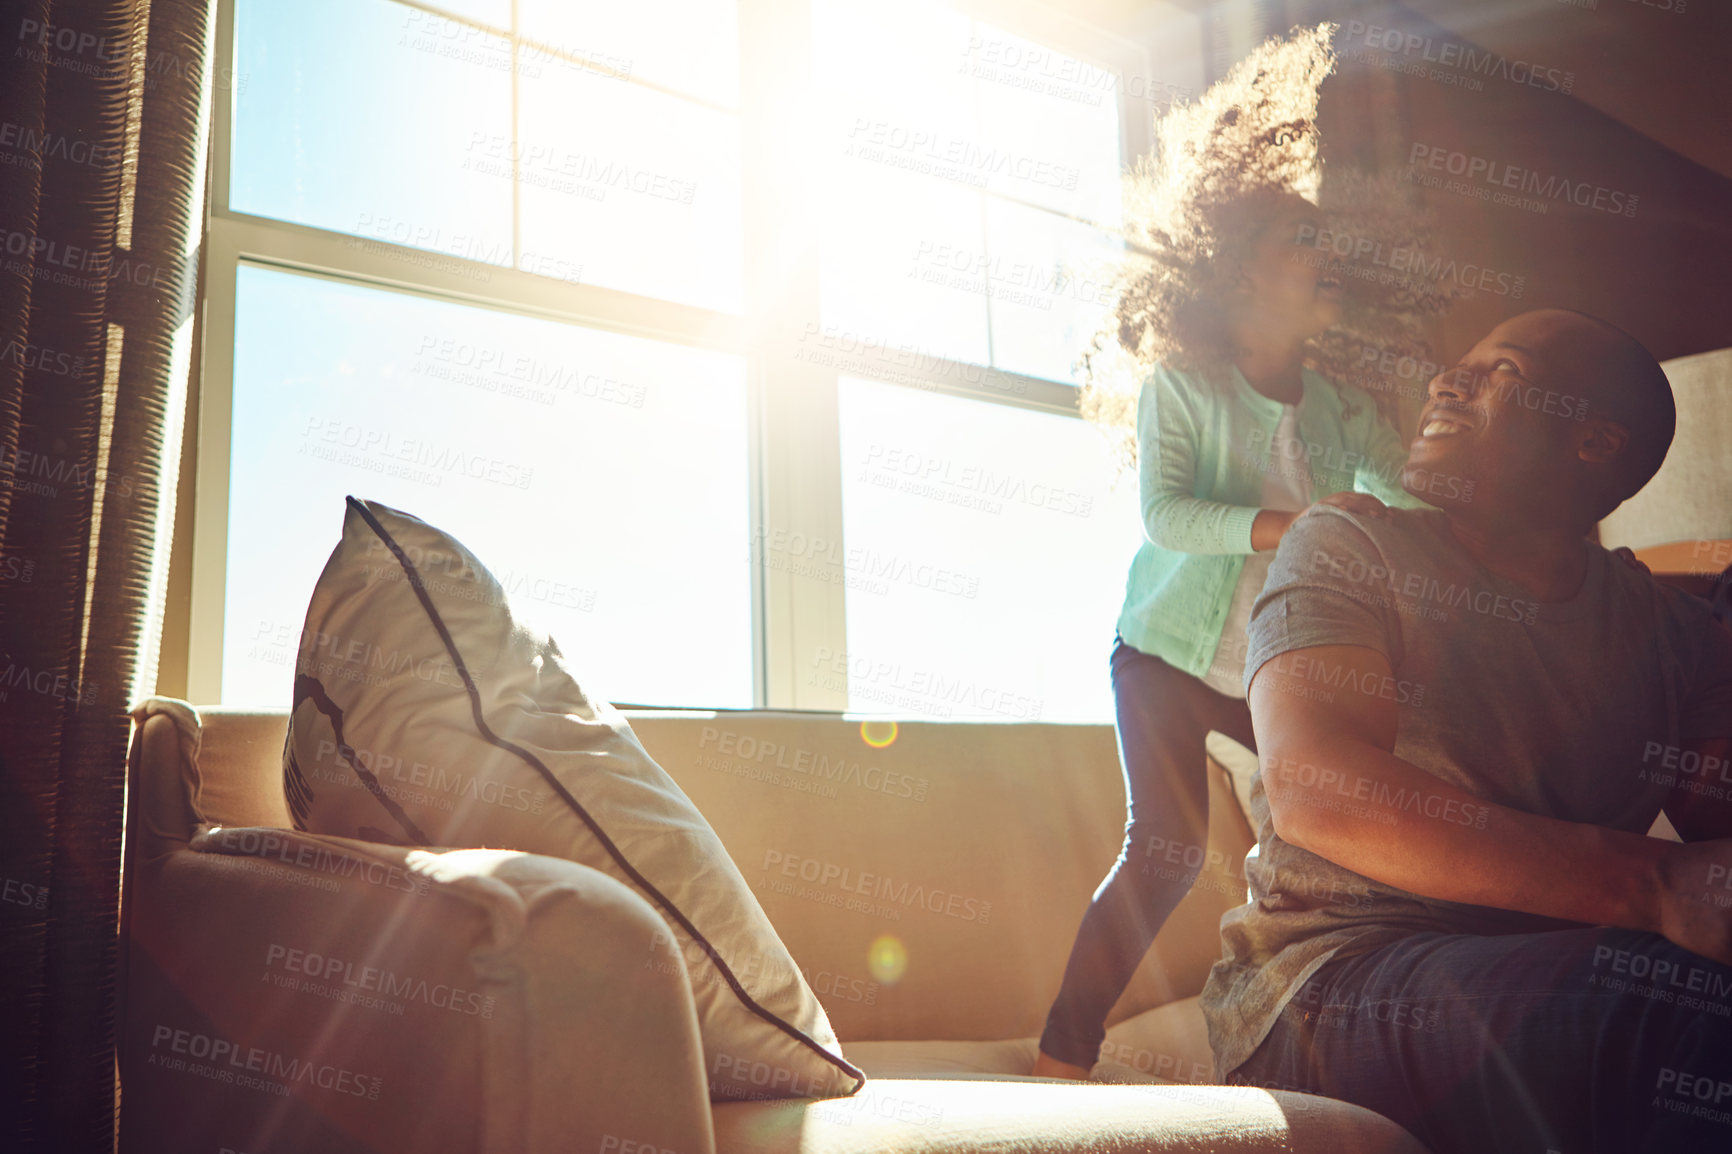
(1602, 441)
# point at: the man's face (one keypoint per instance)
(1508, 417)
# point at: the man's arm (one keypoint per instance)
(1335, 788)
(1701, 803)
(1700, 807)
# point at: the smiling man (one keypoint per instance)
(1456, 918)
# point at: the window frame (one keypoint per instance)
(794, 445)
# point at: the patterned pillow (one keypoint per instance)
(426, 713)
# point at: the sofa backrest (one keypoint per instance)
(929, 878)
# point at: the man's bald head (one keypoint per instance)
(1624, 383)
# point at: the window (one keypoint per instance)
(650, 304)
(541, 445)
(968, 214)
(986, 558)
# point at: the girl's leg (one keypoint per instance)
(1163, 716)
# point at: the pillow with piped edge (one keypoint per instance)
(426, 713)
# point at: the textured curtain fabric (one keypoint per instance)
(103, 113)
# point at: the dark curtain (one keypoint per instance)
(103, 115)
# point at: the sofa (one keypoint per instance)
(285, 991)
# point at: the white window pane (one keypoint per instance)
(987, 547)
(889, 74)
(359, 116)
(1048, 285)
(931, 148)
(494, 12)
(883, 273)
(1043, 147)
(601, 477)
(690, 46)
(638, 188)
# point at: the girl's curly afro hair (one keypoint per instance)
(1222, 168)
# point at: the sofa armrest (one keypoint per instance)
(292, 992)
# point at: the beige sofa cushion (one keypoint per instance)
(1056, 787)
(426, 713)
(1168, 1044)
(958, 1116)
(973, 847)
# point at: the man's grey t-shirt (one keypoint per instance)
(1576, 709)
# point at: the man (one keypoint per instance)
(1468, 718)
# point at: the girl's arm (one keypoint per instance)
(1167, 432)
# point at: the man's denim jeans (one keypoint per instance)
(1582, 1041)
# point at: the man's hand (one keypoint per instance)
(1364, 504)
(1694, 903)
(1628, 556)
(1272, 524)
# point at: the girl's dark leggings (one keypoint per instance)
(1163, 716)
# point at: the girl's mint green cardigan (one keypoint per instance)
(1202, 451)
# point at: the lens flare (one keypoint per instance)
(878, 734)
(887, 958)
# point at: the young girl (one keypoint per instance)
(1235, 436)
